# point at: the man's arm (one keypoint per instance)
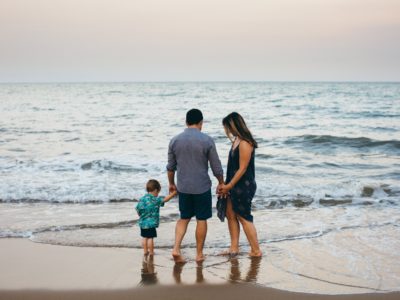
(171, 180)
(215, 164)
(171, 168)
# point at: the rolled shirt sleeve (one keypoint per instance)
(160, 201)
(214, 160)
(171, 166)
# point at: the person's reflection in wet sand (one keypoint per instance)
(177, 272)
(199, 272)
(234, 275)
(252, 273)
(149, 276)
(253, 269)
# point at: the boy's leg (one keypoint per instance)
(150, 245)
(144, 245)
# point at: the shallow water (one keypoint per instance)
(74, 157)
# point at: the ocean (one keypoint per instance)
(75, 157)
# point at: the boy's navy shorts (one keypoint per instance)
(198, 205)
(148, 232)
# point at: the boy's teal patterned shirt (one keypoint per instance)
(148, 209)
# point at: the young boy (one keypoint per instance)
(148, 209)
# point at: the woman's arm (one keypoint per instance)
(244, 159)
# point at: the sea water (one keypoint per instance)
(75, 157)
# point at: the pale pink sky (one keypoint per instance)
(188, 40)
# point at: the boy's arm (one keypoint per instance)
(170, 196)
(139, 207)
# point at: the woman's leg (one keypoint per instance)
(251, 234)
(144, 245)
(150, 246)
(233, 226)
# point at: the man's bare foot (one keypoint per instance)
(200, 258)
(177, 256)
(255, 253)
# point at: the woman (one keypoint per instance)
(240, 185)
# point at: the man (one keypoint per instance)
(189, 154)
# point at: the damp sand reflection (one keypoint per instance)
(213, 271)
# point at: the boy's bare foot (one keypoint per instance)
(200, 258)
(177, 256)
(255, 253)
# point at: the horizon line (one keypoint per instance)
(200, 81)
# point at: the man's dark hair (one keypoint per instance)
(194, 116)
(153, 185)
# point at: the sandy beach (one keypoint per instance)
(186, 292)
(39, 271)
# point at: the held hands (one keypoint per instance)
(170, 196)
(223, 189)
(173, 189)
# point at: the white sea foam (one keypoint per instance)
(97, 142)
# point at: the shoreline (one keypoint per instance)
(40, 271)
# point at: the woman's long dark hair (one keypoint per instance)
(235, 125)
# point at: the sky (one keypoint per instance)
(199, 40)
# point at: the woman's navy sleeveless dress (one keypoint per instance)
(243, 192)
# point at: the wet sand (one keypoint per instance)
(232, 292)
(40, 271)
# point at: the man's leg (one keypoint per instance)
(187, 211)
(201, 233)
(203, 211)
(180, 231)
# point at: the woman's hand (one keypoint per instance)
(225, 188)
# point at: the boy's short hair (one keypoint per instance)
(153, 185)
(194, 116)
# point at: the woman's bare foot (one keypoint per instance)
(200, 258)
(255, 253)
(177, 256)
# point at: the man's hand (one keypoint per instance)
(223, 189)
(218, 189)
(172, 189)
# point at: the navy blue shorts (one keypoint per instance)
(198, 205)
(148, 233)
